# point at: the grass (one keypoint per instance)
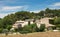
(37, 34)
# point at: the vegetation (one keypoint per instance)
(29, 28)
(9, 20)
(42, 27)
(56, 22)
(51, 21)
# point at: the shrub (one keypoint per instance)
(5, 31)
(9, 27)
(57, 21)
(26, 29)
(51, 21)
(1, 29)
(42, 27)
(29, 28)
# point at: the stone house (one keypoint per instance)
(37, 21)
(22, 23)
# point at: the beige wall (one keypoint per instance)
(23, 23)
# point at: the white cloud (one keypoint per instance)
(11, 7)
(56, 4)
(36, 11)
(54, 8)
(14, 8)
(5, 10)
(2, 15)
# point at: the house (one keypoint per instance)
(22, 23)
(31, 21)
(46, 22)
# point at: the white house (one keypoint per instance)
(38, 22)
(22, 23)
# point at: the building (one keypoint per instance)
(31, 21)
(46, 21)
(22, 23)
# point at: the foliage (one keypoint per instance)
(5, 31)
(51, 21)
(9, 27)
(1, 29)
(42, 27)
(29, 28)
(57, 21)
(10, 19)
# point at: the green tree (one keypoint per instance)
(29, 28)
(1, 29)
(42, 27)
(9, 27)
(57, 21)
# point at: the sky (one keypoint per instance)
(12, 6)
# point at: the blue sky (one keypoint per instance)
(12, 6)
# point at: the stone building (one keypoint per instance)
(37, 21)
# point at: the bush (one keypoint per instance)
(9, 27)
(42, 27)
(57, 21)
(54, 27)
(51, 21)
(26, 29)
(29, 28)
(5, 31)
(24, 32)
(1, 29)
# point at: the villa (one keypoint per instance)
(38, 23)
(22, 23)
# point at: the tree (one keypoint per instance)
(57, 21)
(9, 27)
(42, 27)
(1, 29)
(41, 13)
(23, 15)
(30, 28)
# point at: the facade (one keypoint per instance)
(37, 21)
(22, 23)
(46, 21)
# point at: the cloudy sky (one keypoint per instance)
(11, 6)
